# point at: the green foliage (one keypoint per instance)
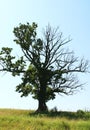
(8, 63)
(29, 82)
(80, 113)
(6, 58)
(25, 35)
(47, 68)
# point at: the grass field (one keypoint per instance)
(11, 119)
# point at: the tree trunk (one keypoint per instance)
(42, 107)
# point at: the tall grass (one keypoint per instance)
(27, 120)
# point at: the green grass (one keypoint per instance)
(11, 119)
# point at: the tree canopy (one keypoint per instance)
(47, 66)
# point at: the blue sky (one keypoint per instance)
(73, 18)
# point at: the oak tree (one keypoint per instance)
(47, 67)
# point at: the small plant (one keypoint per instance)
(54, 109)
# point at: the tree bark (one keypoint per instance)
(42, 107)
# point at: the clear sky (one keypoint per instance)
(73, 18)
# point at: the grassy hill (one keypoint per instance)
(11, 119)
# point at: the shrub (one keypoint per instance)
(80, 113)
(54, 109)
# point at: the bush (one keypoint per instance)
(80, 113)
